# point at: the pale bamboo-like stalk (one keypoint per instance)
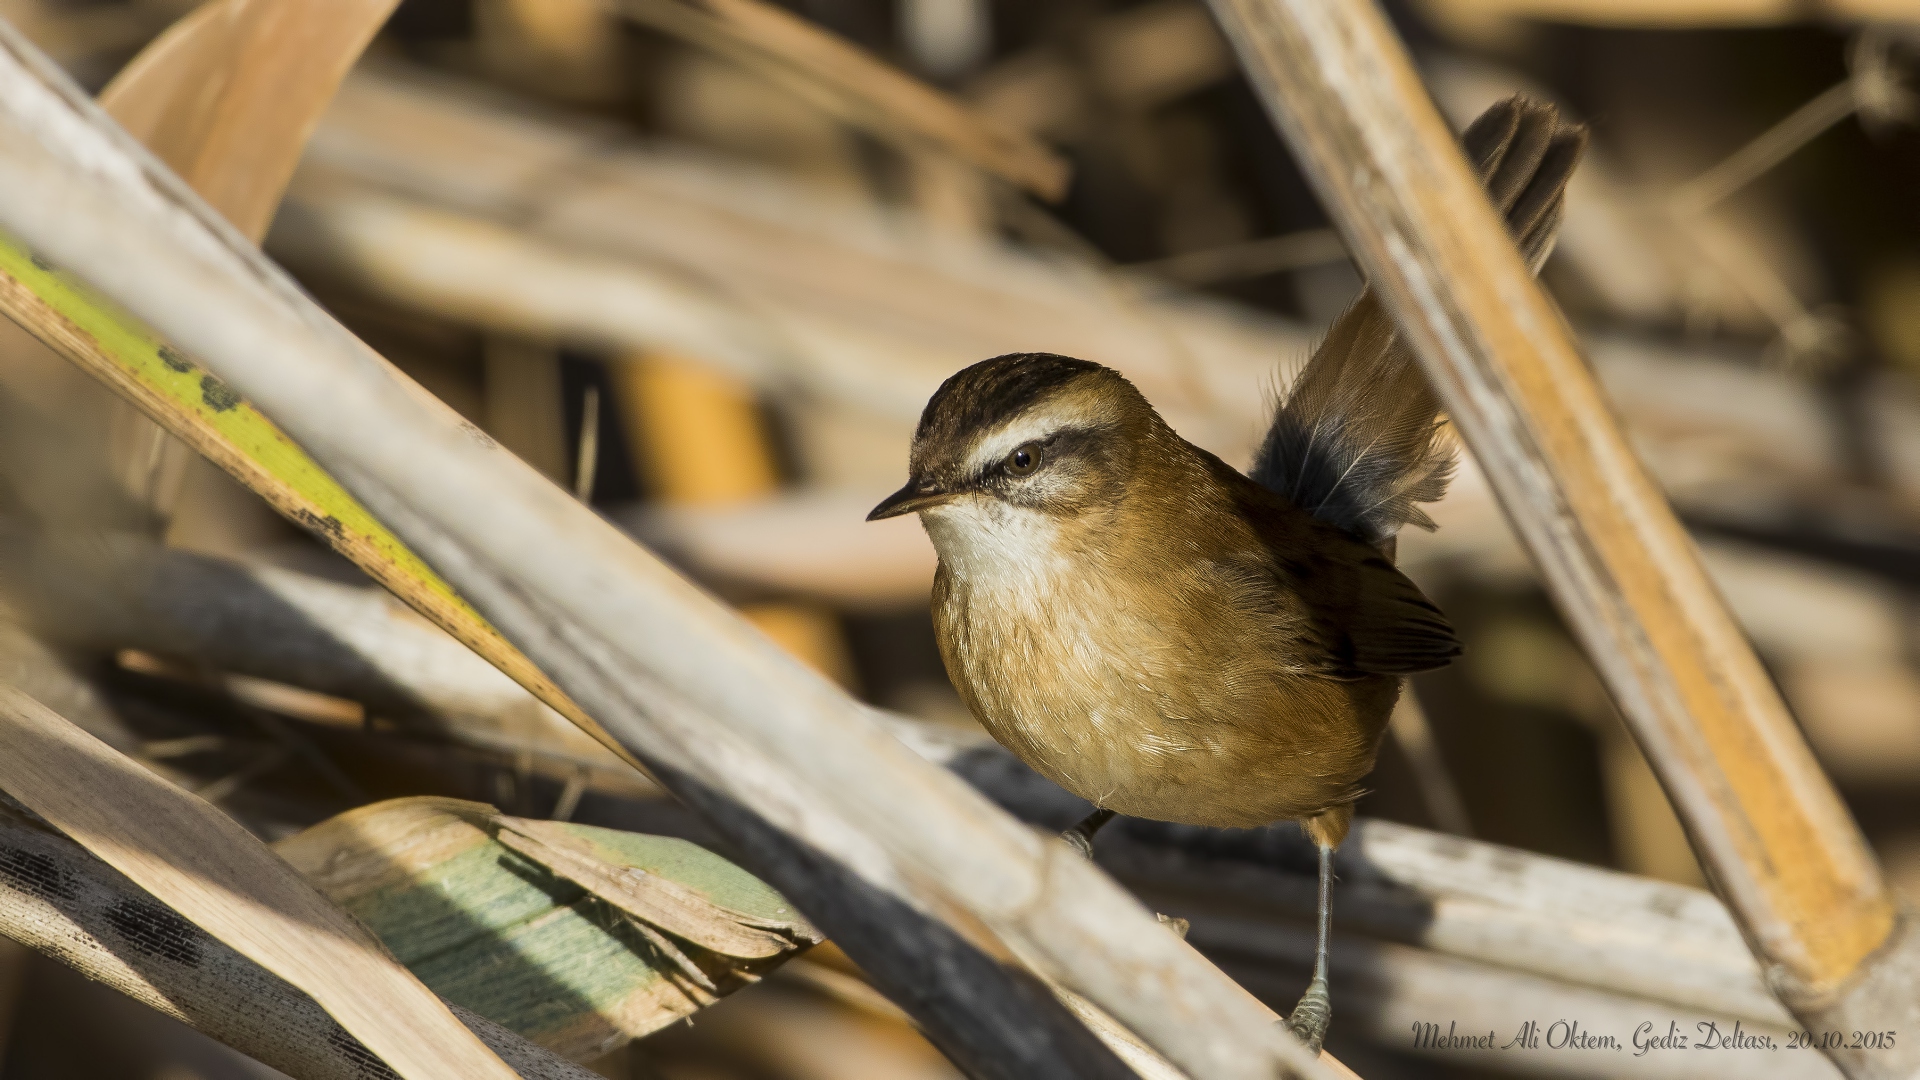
(228, 97)
(1766, 823)
(201, 864)
(932, 889)
(68, 905)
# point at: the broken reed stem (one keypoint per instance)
(1765, 821)
(1769, 148)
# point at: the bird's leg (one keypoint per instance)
(1081, 835)
(1080, 838)
(1315, 1010)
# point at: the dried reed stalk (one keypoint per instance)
(61, 901)
(200, 98)
(202, 864)
(197, 408)
(649, 248)
(228, 97)
(1766, 823)
(851, 84)
(273, 68)
(107, 592)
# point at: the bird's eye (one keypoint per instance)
(1024, 460)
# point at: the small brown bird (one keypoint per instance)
(1168, 638)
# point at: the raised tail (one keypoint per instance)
(1358, 439)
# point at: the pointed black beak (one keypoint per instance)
(916, 495)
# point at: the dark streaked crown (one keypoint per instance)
(993, 390)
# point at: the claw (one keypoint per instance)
(1312, 1016)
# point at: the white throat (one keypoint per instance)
(987, 543)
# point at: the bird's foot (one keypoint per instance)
(1080, 842)
(1080, 837)
(1312, 1015)
(1174, 923)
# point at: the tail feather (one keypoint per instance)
(1359, 440)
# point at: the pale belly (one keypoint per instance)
(1138, 717)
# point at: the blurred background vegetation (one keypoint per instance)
(511, 197)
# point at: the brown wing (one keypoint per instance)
(1390, 627)
(1367, 617)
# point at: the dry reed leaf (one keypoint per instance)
(658, 900)
(853, 85)
(202, 864)
(577, 937)
(228, 97)
(66, 904)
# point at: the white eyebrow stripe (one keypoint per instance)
(996, 445)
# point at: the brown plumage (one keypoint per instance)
(1149, 628)
(1169, 638)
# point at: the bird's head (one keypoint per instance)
(1020, 442)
